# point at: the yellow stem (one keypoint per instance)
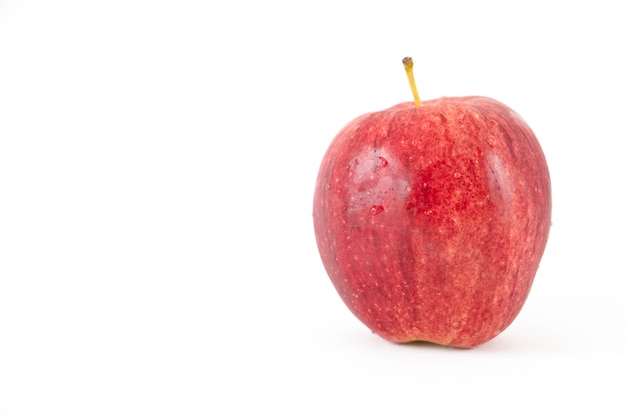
(408, 67)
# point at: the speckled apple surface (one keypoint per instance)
(431, 221)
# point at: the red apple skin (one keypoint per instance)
(431, 221)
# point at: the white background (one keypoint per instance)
(157, 167)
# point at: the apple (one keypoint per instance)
(431, 218)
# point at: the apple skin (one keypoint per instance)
(431, 221)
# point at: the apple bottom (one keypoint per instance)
(451, 293)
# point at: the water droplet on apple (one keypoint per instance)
(376, 209)
(457, 175)
(383, 161)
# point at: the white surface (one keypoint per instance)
(157, 164)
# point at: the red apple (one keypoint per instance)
(431, 218)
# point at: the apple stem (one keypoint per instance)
(408, 67)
